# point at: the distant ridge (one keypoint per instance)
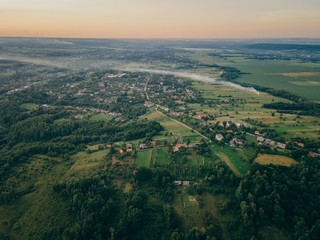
(273, 46)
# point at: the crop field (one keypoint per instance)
(143, 158)
(162, 156)
(265, 159)
(173, 127)
(302, 79)
(299, 78)
(286, 125)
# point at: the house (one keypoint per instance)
(281, 145)
(185, 183)
(231, 143)
(239, 141)
(194, 144)
(77, 116)
(267, 141)
(143, 145)
(121, 151)
(129, 149)
(175, 149)
(148, 104)
(154, 143)
(200, 116)
(260, 139)
(129, 145)
(203, 124)
(180, 138)
(219, 137)
(300, 144)
(256, 132)
(109, 145)
(178, 183)
(272, 144)
(229, 131)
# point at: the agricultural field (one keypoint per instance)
(173, 128)
(266, 159)
(249, 105)
(162, 156)
(302, 79)
(143, 158)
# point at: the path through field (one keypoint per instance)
(185, 126)
(224, 158)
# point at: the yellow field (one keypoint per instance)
(154, 115)
(265, 159)
(305, 83)
(296, 74)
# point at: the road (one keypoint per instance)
(221, 155)
(185, 126)
(146, 86)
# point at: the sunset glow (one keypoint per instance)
(160, 19)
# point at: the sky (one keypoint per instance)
(161, 18)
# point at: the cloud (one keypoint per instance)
(198, 78)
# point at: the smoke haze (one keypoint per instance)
(199, 78)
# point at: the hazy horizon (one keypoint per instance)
(165, 19)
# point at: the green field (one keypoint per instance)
(302, 79)
(162, 156)
(241, 166)
(174, 128)
(143, 158)
(29, 106)
(247, 154)
(100, 117)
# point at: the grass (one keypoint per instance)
(174, 128)
(188, 211)
(143, 158)
(162, 157)
(85, 163)
(100, 117)
(266, 159)
(247, 154)
(29, 106)
(224, 152)
(39, 211)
